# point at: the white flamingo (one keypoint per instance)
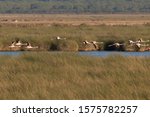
(30, 47)
(13, 45)
(139, 45)
(19, 43)
(132, 42)
(86, 42)
(116, 44)
(95, 43)
(141, 40)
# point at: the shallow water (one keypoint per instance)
(14, 53)
(108, 53)
(91, 53)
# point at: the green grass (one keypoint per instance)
(59, 75)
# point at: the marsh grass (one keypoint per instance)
(42, 35)
(59, 75)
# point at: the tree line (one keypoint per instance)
(75, 6)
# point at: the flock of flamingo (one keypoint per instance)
(19, 44)
(138, 44)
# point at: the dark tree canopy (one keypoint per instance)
(74, 6)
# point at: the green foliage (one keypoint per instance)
(74, 6)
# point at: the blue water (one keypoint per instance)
(92, 53)
(108, 53)
(11, 53)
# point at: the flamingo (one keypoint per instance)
(141, 40)
(139, 45)
(95, 43)
(86, 42)
(19, 43)
(13, 45)
(29, 46)
(116, 44)
(132, 42)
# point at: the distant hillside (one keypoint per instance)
(74, 6)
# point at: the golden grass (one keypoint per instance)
(73, 19)
(59, 75)
(42, 35)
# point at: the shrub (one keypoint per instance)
(68, 45)
(64, 45)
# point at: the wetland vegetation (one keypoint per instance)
(68, 75)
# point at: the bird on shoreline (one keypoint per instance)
(142, 41)
(19, 43)
(86, 42)
(96, 44)
(29, 46)
(131, 42)
(139, 45)
(13, 45)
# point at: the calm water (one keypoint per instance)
(11, 53)
(107, 53)
(92, 53)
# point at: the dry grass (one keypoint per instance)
(70, 76)
(91, 19)
(53, 75)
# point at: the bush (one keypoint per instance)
(64, 45)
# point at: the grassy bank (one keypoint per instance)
(70, 76)
(42, 35)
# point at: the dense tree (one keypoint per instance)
(74, 6)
